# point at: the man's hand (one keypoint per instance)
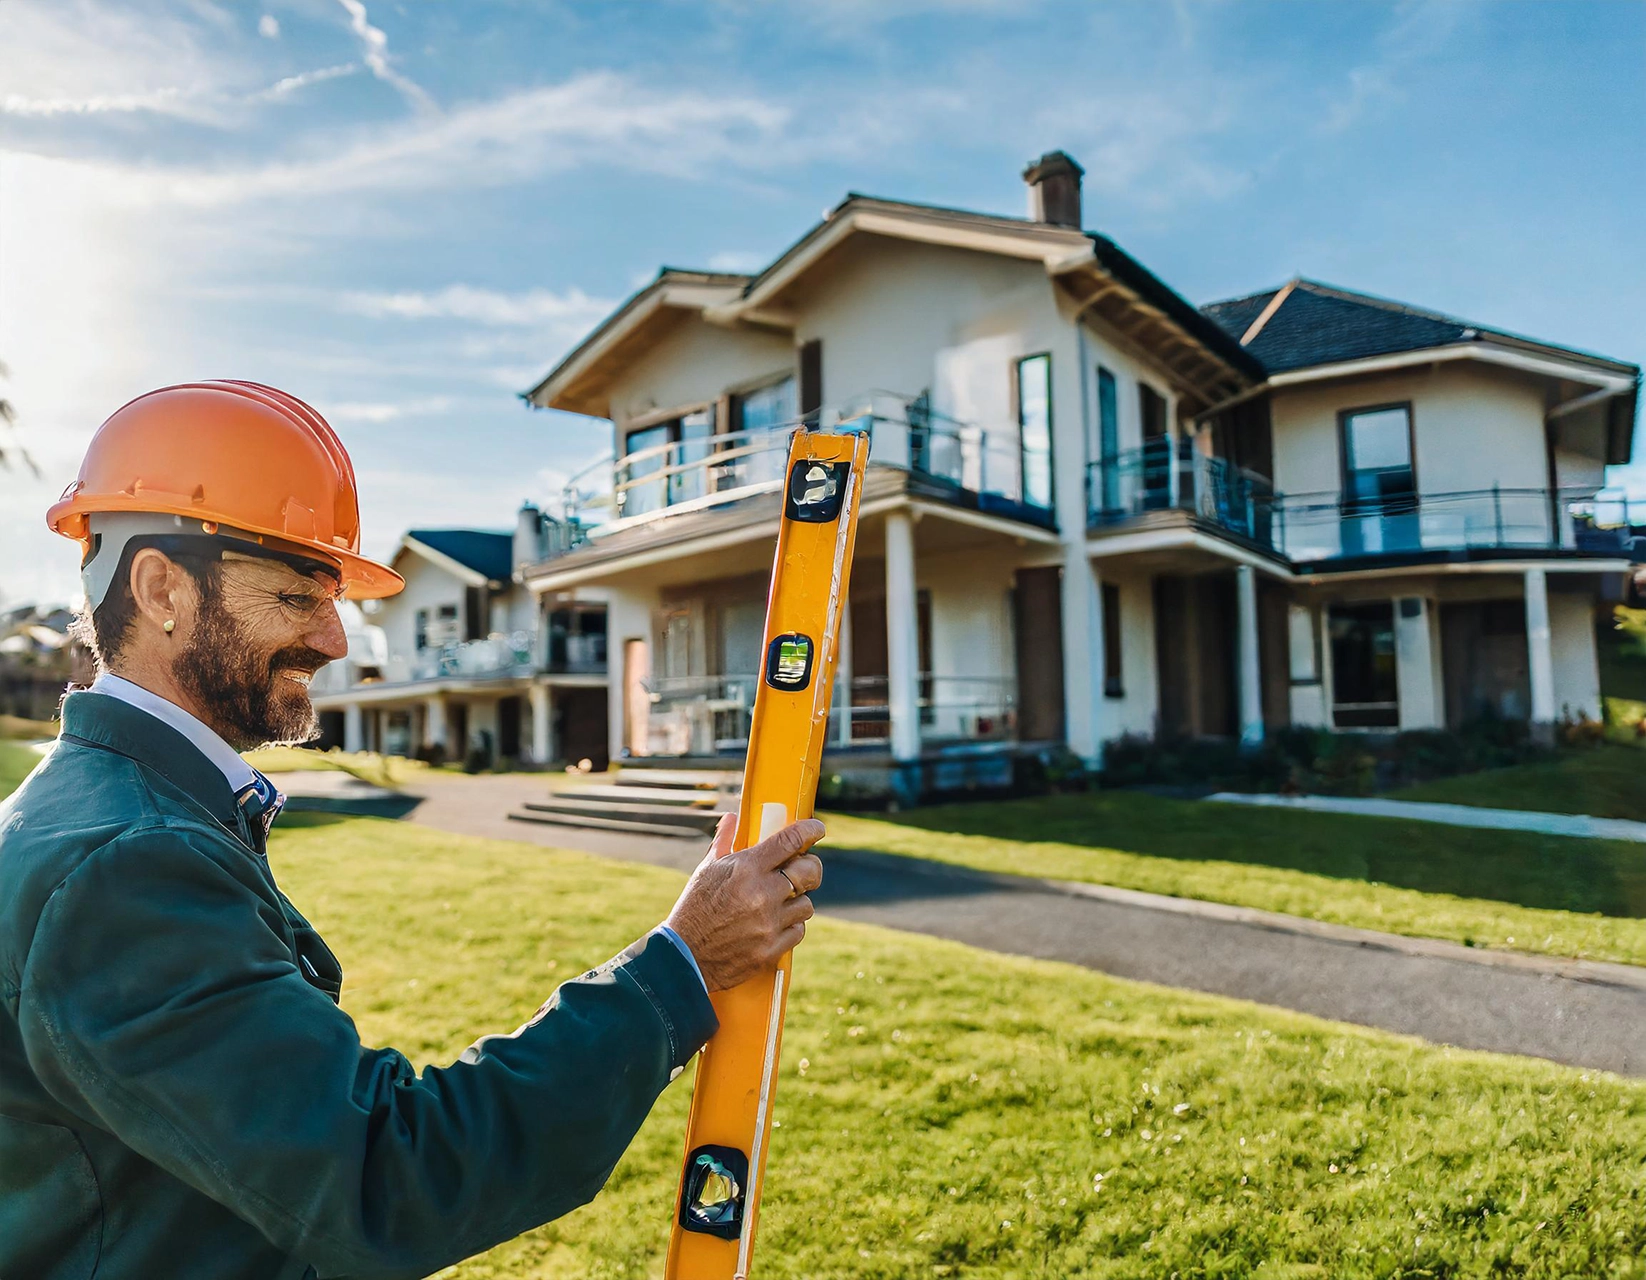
(739, 913)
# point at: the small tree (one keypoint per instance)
(11, 452)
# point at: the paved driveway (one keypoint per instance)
(1584, 1014)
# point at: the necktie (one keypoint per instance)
(260, 800)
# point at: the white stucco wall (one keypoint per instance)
(628, 617)
(428, 586)
(972, 649)
(695, 365)
(1572, 642)
(1136, 711)
(1474, 427)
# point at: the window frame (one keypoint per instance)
(1345, 472)
(1051, 432)
(1114, 676)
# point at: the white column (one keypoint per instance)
(1250, 669)
(354, 731)
(1421, 706)
(843, 676)
(434, 724)
(1082, 653)
(902, 638)
(1539, 648)
(542, 724)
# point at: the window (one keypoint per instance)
(420, 630)
(1379, 484)
(1108, 440)
(770, 409)
(1034, 429)
(690, 436)
(1113, 687)
(1302, 645)
(1365, 692)
(1157, 449)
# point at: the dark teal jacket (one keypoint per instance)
(180, 1096)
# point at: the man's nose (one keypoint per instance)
(325, 634)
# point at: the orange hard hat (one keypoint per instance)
(241, 459)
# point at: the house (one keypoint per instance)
(39, 658)
(1093, 509)
(466, 664)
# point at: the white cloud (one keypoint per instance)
(291, 84)
(374, 47)
(482, 306)
(378, 412)
(599, 117)
(268, 26)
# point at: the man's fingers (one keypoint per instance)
(797, 910)
(724, 832)
(795, 838)
(804, 872)
(790, 938)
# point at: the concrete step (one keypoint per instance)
(695, 819)
(665, 796)
(606, 824)
(700, 779)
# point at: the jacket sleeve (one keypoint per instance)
(160, 1002)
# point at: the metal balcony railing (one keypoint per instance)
(496, 655)
(706, 715)
(1325, 526)
(1213, 490)
(905, 433)
(1312, 527)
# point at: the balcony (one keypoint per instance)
(710, 715)
(959, 462)
(1212, 492)
(1311, 528)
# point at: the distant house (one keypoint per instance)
(466, 664)
(39, 658)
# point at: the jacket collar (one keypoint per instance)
(98, 720)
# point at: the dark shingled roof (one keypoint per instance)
(483, 550)
(1322, 324)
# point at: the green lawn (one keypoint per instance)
(1605, 782)
(369, 766)
(1515, 890)
(948, 1112)
(16, 760)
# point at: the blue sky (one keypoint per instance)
(406, 212)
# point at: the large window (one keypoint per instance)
(1157, 448)
(691, 435)
(1034, 429)
(772, 408)
(1379, 484)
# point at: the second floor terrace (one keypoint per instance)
(1159, 485)
(684, 465)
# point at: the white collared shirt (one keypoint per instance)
(236, 771)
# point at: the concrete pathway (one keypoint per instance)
(1456, 815)
(1581, 1013)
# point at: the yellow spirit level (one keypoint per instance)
(731, 1117)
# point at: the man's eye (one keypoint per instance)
(297, 600)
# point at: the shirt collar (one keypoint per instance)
(236, 772)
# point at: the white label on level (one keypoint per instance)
(773, 818)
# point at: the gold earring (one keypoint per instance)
(170, 626)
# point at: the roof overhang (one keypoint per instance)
(467, 576)
(578, 384)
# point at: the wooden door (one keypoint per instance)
(1037, 609)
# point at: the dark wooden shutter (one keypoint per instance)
(811, 381)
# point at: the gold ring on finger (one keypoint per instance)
(794, 888)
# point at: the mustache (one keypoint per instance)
(298, 657)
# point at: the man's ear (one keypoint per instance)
(161, 591)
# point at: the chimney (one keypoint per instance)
(1054, 189)
(528, 535)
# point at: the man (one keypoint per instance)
(180, 1094)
